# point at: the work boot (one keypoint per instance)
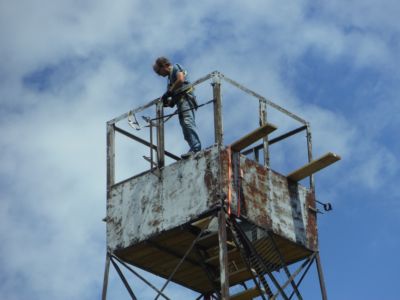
(187, 155)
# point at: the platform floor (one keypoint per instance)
(200, 270)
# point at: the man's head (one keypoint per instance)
(162, 66)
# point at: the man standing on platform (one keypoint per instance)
(185, 101)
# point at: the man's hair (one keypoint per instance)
(160, 62)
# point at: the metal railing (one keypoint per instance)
(156, 142)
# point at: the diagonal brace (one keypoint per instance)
(178, 265)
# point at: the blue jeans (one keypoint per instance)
(188, 124)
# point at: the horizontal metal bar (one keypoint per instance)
(272, 104)
(144, 142)
(136, 110)
(154, 101)
(275, 140)
(286, 135)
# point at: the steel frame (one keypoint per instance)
(260, 277)
(224, 220)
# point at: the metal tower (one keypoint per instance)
(222, 222)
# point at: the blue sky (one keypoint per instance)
(69, 66)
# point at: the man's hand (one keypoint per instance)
(165, 97)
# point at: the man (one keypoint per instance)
(185, 101)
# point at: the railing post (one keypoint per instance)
(218, 131)
(110, 181)
(321, 278)
(263, 121)
(223, 255)
(105, 280)
(160, 135)
(310, 156)
(110, 156)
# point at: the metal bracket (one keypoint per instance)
(132, 121)
(216, 77)
(327, 206)
(316, 211)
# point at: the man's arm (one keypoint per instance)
(180, 79)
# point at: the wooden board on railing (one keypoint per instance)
(314, 166)
(252, 137)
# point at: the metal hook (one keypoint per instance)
(327, 206)
(133, 123)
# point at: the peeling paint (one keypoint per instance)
(146, 205)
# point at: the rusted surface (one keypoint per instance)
(277, 204)
(312, 232)
(148, 205)
(255, 192)
(211, 176)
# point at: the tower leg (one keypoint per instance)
(223, 255)
(321, 278)
(105, 280)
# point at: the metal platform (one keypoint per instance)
(162, 253)
(218, 218)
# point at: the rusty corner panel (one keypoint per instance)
(312, 229)
(272, 202)
(254, 192)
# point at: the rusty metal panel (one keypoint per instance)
(275, 203)
(288, 209)
(149, 204)
(152, 203)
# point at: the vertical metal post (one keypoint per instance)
(160, 135)
(310, 156)
(256, 155)
(105, 280)
(321, 277)
(263, 121)
(151, 145)
(110, 156)
(110, 181)
(223, 255)
(218, 131)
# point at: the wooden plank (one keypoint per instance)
(252, 137)
(240, 275)
(246, 294)
(314, 166)
(203, 223)
(232, 255)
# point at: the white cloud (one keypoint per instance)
(99, 56)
